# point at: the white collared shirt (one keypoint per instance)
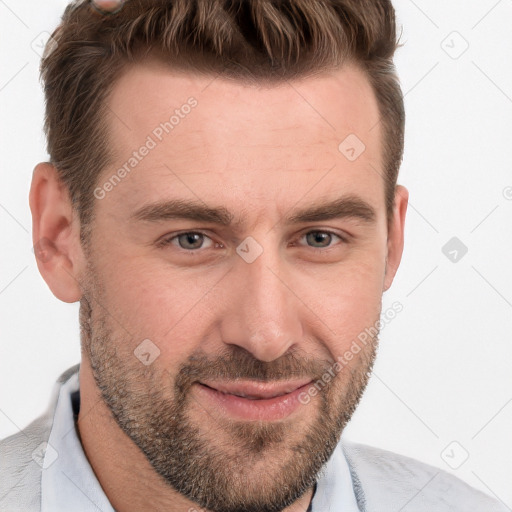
(68, 481)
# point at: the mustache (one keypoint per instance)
(240, 364)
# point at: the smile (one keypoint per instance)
(251, 400)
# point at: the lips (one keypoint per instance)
(250, 400)
(254, 390)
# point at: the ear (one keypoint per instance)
(396, 235)
(55, 234)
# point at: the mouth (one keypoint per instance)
(254, 390)
(253, 400)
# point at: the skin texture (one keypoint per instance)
(154, 440)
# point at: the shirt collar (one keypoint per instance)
(68, 481)
(335, 490)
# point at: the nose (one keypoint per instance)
(264, 313)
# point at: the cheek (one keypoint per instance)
(158, 303)
(348, 303)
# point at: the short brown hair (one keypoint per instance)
(248, 40)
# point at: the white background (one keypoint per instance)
(443, 370)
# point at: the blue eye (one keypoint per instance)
(191, 241)
(321, 237)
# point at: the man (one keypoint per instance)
(221, 198)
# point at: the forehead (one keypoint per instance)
(213, 134)
(336, 100)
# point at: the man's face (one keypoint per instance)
(245, 308)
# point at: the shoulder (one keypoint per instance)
(21, 457)
(402, 483)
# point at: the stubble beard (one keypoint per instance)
(222, 466)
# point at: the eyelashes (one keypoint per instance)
(198, 238)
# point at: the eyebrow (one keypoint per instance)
(349, 206)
